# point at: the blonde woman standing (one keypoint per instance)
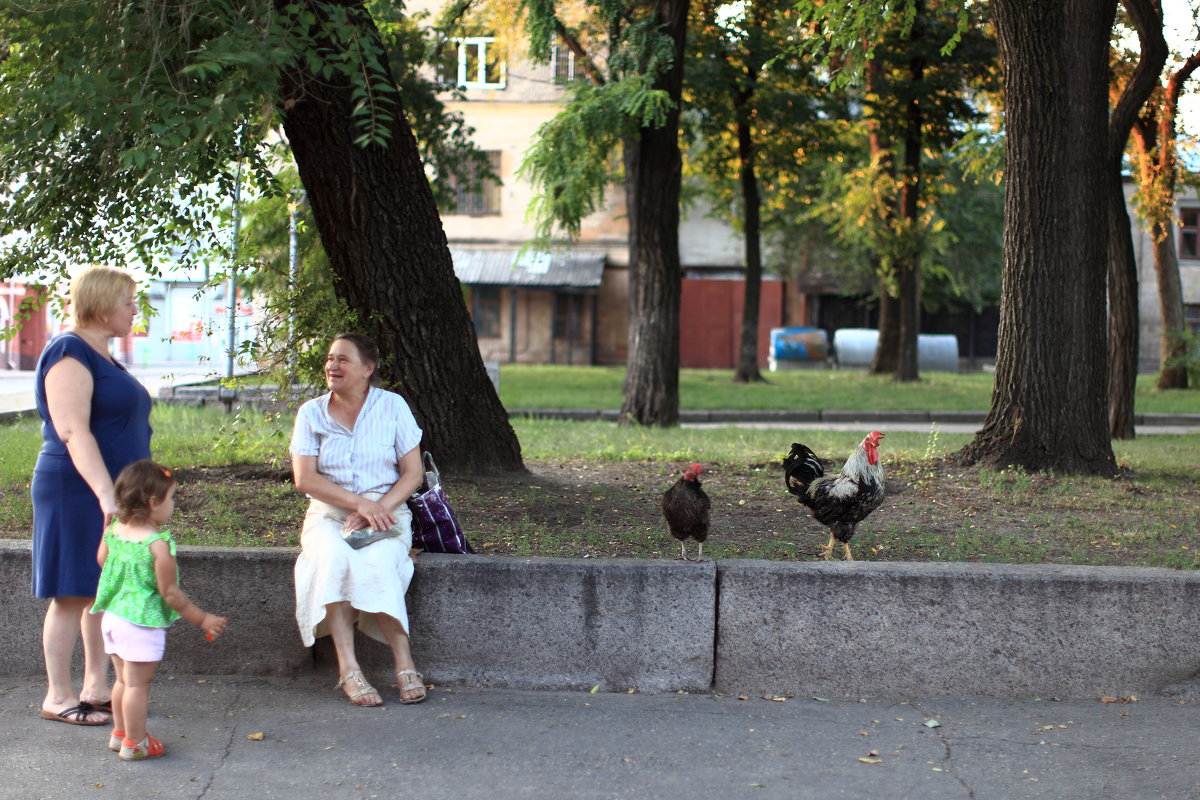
(95, 421)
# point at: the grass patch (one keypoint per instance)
(551, 386)
(593, 490)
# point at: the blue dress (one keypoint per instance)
(67, 521)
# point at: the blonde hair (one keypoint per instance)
(98, 291)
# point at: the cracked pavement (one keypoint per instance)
(236, 736)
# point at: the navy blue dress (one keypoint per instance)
(67, 521)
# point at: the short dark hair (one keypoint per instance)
(368, 351)
(138, 484)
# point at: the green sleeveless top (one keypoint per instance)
(128, 587)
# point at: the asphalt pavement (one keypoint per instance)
(233, 737)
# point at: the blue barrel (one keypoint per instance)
(799, 344)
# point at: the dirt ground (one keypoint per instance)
(933, 511)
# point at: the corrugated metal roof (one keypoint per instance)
(514, 268)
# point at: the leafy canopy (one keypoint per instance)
(124, 126)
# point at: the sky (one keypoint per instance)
(1180, 29)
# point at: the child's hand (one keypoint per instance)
(213, 626)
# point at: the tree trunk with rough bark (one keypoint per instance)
(1122, 263)
(1154, 139)
(380, 228)
(1050, 404)
(908, 270)
(653, 172)
(887, 347)
(747, 366)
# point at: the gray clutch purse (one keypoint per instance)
(364, 536)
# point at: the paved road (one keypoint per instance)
(16, 386)
(464, 744)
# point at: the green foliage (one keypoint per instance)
(124, 128)
(850, 28)
(1189, 358)
(570, 159)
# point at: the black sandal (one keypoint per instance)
(76, 715)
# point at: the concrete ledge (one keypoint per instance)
(836, 629)
(929, 630)
(875, 417)
(543, 623)
(254, 587)
(959, 417)
(487, 621)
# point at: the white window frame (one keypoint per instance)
(479, 80)
(557, 51)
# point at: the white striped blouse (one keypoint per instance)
(367, 458)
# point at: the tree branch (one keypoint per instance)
(589, 67)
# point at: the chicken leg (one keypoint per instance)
(827, 549)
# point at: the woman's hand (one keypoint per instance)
(370, 514)
(108, 505)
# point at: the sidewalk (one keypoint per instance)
(464, 744)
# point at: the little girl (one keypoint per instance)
(140, 596)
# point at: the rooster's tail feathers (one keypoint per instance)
(800, 468)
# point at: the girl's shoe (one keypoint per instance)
(115, 741)
(149, 747)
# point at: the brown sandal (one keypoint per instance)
(362, 689)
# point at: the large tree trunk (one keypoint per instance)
(908, 271)
(887, 346)
(652, 182)
(1122, 263)
(1049, 407)
(380, 228)
(747, 366)
(1154, 137)
(1172, 348)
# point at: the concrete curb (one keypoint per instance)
(853, 629)
(934, 630)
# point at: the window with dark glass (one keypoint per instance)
(562, 65)
(568, 316)
(475, 192)
(473, 62)
(1191, 317)
(485, 311)
(1189, 233)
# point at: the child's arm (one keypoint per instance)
(102, 553)
(165, 574)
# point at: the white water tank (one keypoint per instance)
(855, 348)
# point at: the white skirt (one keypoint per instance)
(373, 580)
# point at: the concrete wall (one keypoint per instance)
(929, 630)
(738, 626)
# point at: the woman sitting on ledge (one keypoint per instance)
(355, 454)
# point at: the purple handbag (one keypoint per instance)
(435, 528)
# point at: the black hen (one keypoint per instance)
(839, 501)
(685, 507)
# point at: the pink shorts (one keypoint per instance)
(132, 642)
